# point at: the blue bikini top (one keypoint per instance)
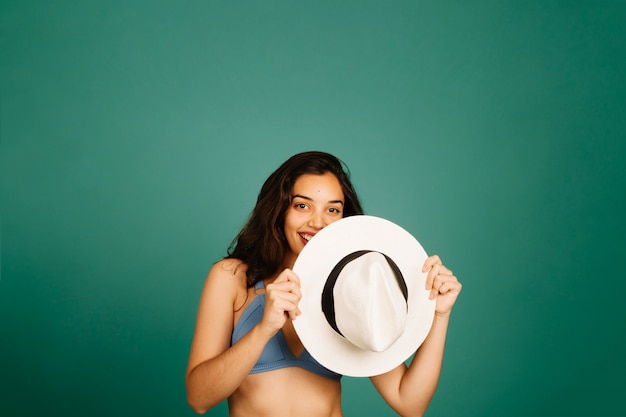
(276, 354)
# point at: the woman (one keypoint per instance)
(245, 348)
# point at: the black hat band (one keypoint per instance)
(328, 297)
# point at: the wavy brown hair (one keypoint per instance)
(261, 244)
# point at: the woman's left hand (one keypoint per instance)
(442, 284)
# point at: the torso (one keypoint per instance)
(285, 392)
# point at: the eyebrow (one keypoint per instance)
(310, 199)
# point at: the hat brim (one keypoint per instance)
(315, 263)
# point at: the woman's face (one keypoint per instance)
(316, 201)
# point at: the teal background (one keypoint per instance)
(135, 136)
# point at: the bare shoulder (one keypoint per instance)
(230, 266)
(228, 278)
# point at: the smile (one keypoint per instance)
(305, 236)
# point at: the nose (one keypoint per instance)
(317, 220)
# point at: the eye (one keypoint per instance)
(334, 210)
(301, 206)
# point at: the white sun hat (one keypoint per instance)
(365, 307)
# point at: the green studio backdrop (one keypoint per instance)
(135, 136)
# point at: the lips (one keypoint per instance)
(305, 237)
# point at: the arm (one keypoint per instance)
(211, 359)
(409, 390)
(216, 369)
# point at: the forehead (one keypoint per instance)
(312, 185)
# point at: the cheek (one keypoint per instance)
(291, 219)
(332, 220)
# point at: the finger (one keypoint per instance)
(295, 280)
(430, 277)
(282, 277)
(289, 287)
(444, 285)
(436, 281)
(436, 284)
(433, 273)
(277, 294)
(283, 306)
(288, 276)
(436, 270)
(430, 261)
(437, 266)
(443, 270)
(292, 276)
(290, 308)
(293, 314)
(283, 298)
(451, 286)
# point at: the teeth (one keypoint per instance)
(306, 237)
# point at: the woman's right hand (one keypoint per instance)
(281, 301)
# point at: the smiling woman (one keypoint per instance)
(245, 348)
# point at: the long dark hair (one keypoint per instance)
(261, 244)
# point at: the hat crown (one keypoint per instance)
(370, 307)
